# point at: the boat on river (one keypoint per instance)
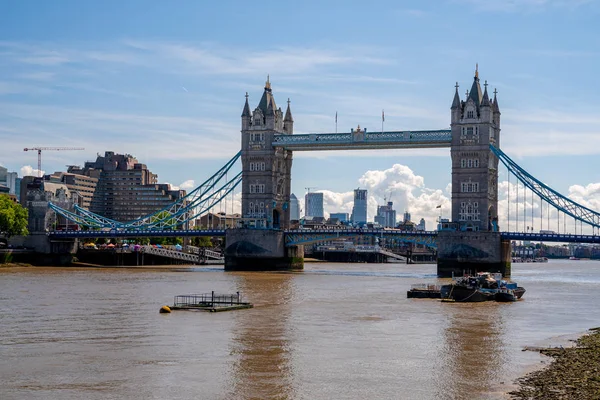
(484, 286)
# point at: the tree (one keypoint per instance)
(13, 217)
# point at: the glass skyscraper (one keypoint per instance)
(359, 211)
(314, 205)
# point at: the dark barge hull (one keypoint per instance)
(423, 294)
(466, 294)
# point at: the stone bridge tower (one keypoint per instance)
(266, 170)
(475, 244)
(266, 187)
(475, 124)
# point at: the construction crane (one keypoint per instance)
(310, 187)
(39, 151)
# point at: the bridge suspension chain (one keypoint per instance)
(550, 196)
(195, 203)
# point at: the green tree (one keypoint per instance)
(201, 241)
(13, 217)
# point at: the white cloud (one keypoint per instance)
(20, 88)
(28, 170)
(587, 196)
(398, 184)
(37, 76)
(187, 185)
(165, 137)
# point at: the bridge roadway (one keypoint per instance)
(360, 139)
(306, 236)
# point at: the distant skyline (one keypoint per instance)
(166, 82)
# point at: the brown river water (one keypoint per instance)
(333, 331)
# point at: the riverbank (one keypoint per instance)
(14, 265)
(574, 373)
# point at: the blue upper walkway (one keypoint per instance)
(308, 236)
(361, 139)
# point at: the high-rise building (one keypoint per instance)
(386, 215)
(342, 217)
(3, 176)
(12, 181)
(359, 210)
(294, 208)
(406, 217)
(126, 189)
(314, 205)
(18, 189)
(421, 226)
(84, 185)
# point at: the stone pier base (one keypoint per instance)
(472, 252)
(260, 250)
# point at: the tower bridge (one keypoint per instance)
(473, 239)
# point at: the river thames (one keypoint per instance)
(332, 331)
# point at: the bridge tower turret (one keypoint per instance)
(266, 170)
(475, 124)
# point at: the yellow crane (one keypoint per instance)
(39, 151)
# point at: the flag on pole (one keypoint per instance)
(382, 116)
(336, 117)
(440, 206)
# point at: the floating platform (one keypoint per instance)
(424, 291)
(210, 302)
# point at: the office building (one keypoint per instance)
(314, 205)
(406, 217)
(36, 193)
(3, 176)
(126, 189)
(294, 208)
(218, 220)
(342, 217)
(386, 215)
(84, 185)
(11, 180)
(359, 210)
(421, 225)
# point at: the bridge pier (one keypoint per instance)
(260, 250)
(472, 252)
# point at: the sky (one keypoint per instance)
(165, 81)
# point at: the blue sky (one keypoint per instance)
(165, 81)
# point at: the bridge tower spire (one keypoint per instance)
(266, 170)
(475, 124)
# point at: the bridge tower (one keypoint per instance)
(475, 124)
(266, 189)
(473, 242)
(266, 170)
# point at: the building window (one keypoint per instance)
(469, 211)
(257, 188)
(470, 114)
(469, 187)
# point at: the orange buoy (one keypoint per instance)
(165, 309)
